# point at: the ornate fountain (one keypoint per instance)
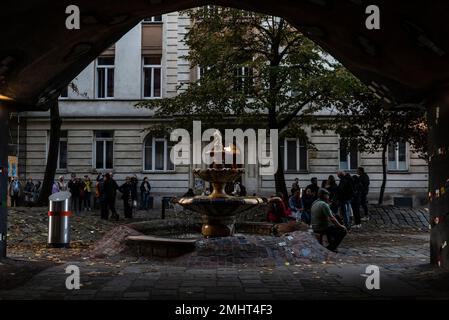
(219, 209)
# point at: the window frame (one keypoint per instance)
(107, 68)
(153, 155)
(66, 91)
(407, 158)
(244, 78)
(94, 150)
(152, 67)
(298, 156)
(151, 20)
(348, 155)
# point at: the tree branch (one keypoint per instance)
(291, 116)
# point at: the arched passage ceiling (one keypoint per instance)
(406, 60)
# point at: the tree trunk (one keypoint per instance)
(53, 151)
(384, 175)
(279, 176)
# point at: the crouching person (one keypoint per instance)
(324, 221)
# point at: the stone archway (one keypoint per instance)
(404, 62)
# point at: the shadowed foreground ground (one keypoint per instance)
(396, 240)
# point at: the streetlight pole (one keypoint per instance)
(4, 134)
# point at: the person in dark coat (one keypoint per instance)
(332, 187)
(129, 195)
(314, 187)
(108, 191)
(75, 188)
(145, 189)
(307, 200)
(364, 180)
(344, 196)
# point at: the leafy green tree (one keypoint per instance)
(255, 69)
(373, 126)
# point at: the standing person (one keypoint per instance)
(28, 191)
(74, 188)
(129, 194)
(332, 187)
(324, 184)
(295, 186)
(135, 183)
(314, 187)
(307, 201)
(98, 185)
(62, 185)
(108, 192)
(15, 190)
(36, 191)
(55, 187)
(355, 202)
(145, 189)
(87, 193)
(364, 180)
(324, 222)
(344, 196)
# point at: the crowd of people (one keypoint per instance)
(332, 208)
(104, 194)
(87, 195)
(29, 192)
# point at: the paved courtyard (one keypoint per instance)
(395, 239)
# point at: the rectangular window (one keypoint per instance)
(152, 77)
(295, 155)
(157, 154)
(104, 150)
(244, 80)
(105, 77)
(397, 156)
(62, 151)
(154, 19)
(349, 155)
(64, 93)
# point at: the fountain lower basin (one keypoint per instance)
(219, 214)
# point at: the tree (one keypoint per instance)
(53, 148)
(254, 68)
(365, 121)
(53, 152)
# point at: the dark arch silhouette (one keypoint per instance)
(406, 61)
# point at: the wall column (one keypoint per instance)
(4, 134)
(438, 121)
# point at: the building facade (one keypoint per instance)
(103, 131)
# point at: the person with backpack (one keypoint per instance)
(15, 191)
(29, 186)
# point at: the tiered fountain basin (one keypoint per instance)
(219, 210)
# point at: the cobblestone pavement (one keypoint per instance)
(401, 253)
